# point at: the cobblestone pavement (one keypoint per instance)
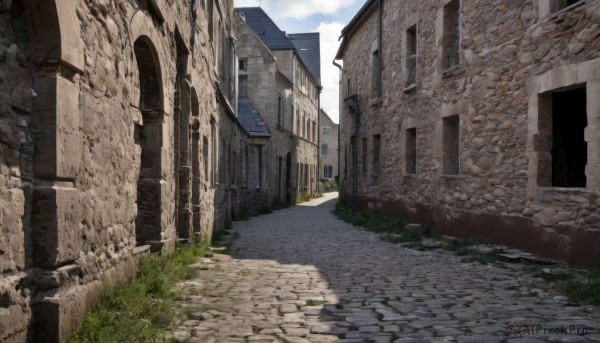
(373, 291)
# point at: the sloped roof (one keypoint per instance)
(250, 119)
(308, 46)
(265, 28)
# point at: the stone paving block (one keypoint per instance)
(381, 289)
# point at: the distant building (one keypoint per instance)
(329, 152)
(279, 80)
(480, 119)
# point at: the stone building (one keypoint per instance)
(329, 147)
(479, 117)
(281, 82)
(118, 135)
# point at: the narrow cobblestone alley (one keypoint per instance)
(372, 291)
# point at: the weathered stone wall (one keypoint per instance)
(104, 113)
(331, 139)
(269, 76)
(510, 53)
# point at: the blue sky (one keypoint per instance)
(325, 16)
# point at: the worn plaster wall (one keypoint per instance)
(510, 53)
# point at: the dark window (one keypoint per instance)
(411, 56)
(557, 5)
(205, 156)
(411, 151)
(243, 65)
(324, 149)
(376, 154)
(451, 35)
(451, 141)
(569, 148)
(375, 76)
(325, 131)
(328, 172)
(364, 155)
(279, 111)
(243, 85)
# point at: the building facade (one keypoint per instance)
(480, 120)
(284, 89)
(118, 136)
(329, 152)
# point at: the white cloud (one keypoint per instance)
(329, 33)
(297, 9)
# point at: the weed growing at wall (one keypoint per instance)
(144, 309)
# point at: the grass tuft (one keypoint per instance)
(144, 309)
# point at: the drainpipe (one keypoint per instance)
(380, 46)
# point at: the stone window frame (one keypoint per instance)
(539, 135)
(411, 21)
(439, 36)
(325, 130)
(457, 108)
(407, 124)
(551, 8)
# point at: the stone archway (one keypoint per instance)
(149, 136)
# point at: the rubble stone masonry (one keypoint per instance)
(487, 98)
(110, 140)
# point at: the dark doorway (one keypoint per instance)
(569, 148)
(288, 178)
(149, 137)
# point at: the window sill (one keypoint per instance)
(410, 175)
(449, 71)
(557, 16)
(564, 189)
(410, 88)
(453, 176)
(376, 101)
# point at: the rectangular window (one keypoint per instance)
(205, 156)
(411, 151)
(375, 76)
(303, 127)
(364, 155)
(297, 122)
(569, 148)
(325, 131)
(279, 111)
(451, 142)
(324, 149)
(328, 172)
(258, 165)
(376, 154)
(243, 85)
(213, 153)
(411, 56)
(451, 35)
(247, 167)
(243, 65)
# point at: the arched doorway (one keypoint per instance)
(149, 137)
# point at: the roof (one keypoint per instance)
(269, 33)
(309, 47)
(358, 18)
(250, 119)
(323, 113)
(265, 28)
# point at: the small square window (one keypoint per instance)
(243, 65)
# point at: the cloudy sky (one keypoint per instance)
(325, 16)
